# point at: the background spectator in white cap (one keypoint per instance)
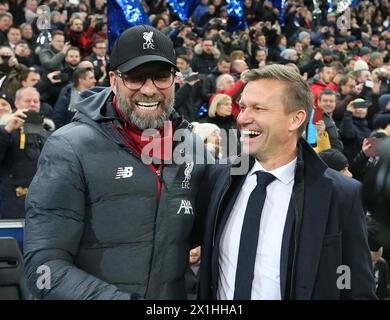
(211, 136)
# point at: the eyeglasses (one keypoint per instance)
(161, 79)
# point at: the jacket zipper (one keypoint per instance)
(157, 173)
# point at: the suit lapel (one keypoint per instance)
(317, 199)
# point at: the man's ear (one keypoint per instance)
(113, 80)
(296, 120)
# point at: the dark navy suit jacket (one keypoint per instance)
(325, 229)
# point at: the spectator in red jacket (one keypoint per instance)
(80, 38)
(325, 81)
(225, 85)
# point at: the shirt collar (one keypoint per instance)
(284, 174)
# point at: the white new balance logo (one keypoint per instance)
(124, 172)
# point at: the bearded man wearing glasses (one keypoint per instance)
(111, 212)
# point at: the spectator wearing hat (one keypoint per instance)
(336, 160)
(341, 52)
(354, 128)
(360, 65)
(305, 39)
(381, 120)
(364, 54)
(289, 55)
(327, 55)
(211, 136)
(135, 250)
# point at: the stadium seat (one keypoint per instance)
(12, 281)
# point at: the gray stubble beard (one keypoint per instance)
(145, 123)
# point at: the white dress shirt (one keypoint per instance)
(266, 282)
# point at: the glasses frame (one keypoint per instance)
(172, 72)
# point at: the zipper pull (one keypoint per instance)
(158, 171)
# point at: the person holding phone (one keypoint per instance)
(282, 227)
(368, 156)
(19, 151)
(354, 127)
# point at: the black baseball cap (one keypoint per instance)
(141, 44)
(334, 158)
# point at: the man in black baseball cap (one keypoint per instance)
(139, 45)
(142, 76)
(123, 226)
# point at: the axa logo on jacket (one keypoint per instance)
(185, 207)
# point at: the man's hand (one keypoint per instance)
(242, 76)
(12, 62)
(350, 107)
(320, 126)
(318, 56)
(175, 24)
(337, 78)
(368, 149)
(16, 120)
(51, 76)
(376, 87)
(66, 47)
(358, 88)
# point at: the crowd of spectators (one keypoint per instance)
(347, 66)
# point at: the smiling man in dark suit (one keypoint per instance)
(289, 227)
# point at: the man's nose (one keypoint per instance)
(148, 89)
(244, 117)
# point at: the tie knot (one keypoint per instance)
(264, 178)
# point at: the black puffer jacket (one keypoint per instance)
(93, 215)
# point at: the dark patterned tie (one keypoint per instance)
(249, 237)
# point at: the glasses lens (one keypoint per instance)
(161, 79)
(133, 81)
